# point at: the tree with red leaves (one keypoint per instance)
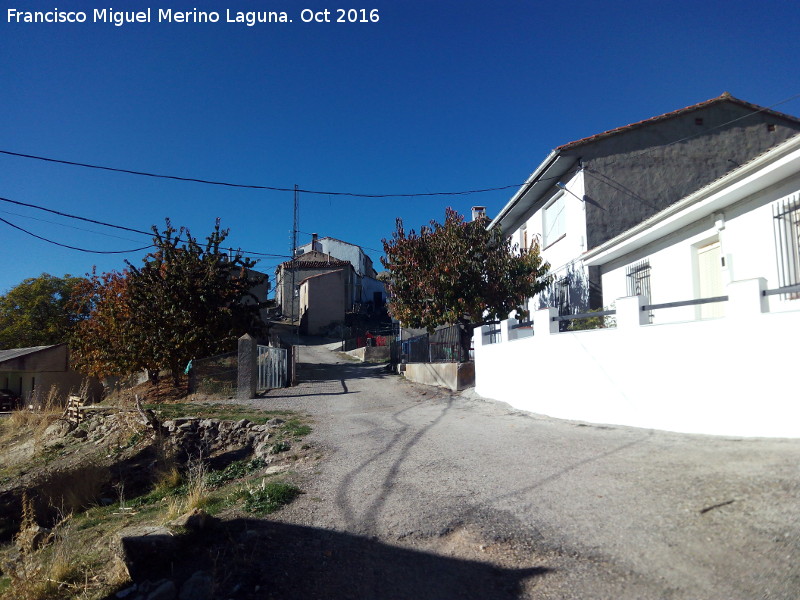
(183, 302)
(459, 273)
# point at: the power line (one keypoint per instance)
(63, 214)
(335, 193)
(8, 212)
(253, 187)
(49, 241)
(122, 227)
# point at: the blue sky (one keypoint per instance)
(435, 96)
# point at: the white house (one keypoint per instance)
(367, 288)
(589, 191)
(742, 226)
(707, 346)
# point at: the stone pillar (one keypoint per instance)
(746, 298)
(247, 377)
(630, 313)
(543, 323)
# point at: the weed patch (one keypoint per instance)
(294, 428)
(269, 497)
(235, 470)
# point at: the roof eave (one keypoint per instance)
(544, 177)
(769, 168)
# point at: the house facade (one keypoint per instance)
(367, 288)
(290, 274)
(744, 226)
(706, 295)
(588, 191)
(37, 372)
(323, 300)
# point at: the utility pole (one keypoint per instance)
(295, 227)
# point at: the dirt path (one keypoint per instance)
(525, 506)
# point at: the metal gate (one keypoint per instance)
(272, 367)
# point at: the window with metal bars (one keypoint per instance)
(638, 276)
(786, 214)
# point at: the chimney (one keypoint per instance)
(478, 212)
(314, 243)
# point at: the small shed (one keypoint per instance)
(36, 371)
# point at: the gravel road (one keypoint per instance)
(426, 493)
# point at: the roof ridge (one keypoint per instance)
(725, 96)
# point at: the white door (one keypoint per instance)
(710, 276)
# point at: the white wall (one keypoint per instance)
(729, 376)
(747, 243)
(369, 286)
(564, 254)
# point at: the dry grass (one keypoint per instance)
(47, 409)
(197, 494)
(46, 566)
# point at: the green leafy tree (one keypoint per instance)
(183, 302)
(37, 312)
(459, 273)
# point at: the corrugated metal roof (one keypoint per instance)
(17, 352)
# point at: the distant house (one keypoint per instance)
(323, 300)
(588, 191)
(258, 292)
(290, 274)
(367, 288)
(33, 373)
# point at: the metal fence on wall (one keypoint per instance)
(215, 375)
(443, 345)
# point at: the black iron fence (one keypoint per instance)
(443, 345)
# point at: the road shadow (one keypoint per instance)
(327, 379)
(259, 559)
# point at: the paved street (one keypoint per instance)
(571, 510)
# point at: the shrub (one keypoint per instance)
(269, 497)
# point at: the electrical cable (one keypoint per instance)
(9, 223)
(8, 212)
(248, 186)
(350, 194)
(122, 227)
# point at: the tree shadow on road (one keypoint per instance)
(395, 441)
(252, 558)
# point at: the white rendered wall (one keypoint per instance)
(729, 376)
(565, 253)
(746, 235)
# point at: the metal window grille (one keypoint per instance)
(564, 308)
(786, 214)
(638, 276)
